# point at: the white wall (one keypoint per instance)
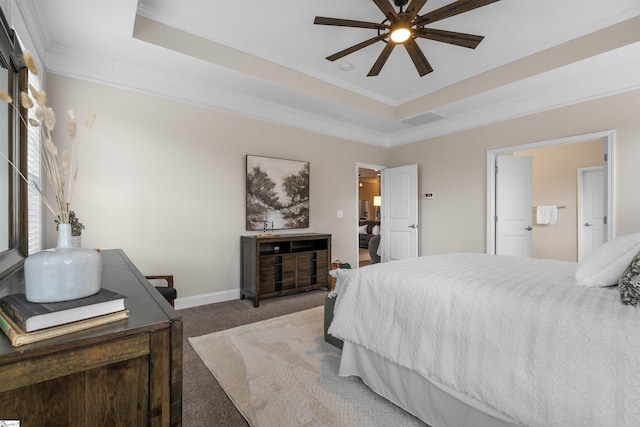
(165, 181)
(453, 167)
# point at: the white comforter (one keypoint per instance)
(513, 333)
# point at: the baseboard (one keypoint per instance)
(204, 299)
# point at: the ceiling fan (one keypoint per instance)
(404, 27)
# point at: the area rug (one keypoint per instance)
(281, 372)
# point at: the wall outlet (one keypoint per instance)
(429, 196)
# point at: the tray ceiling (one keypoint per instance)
(266, 59)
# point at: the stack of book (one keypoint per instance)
(25, 322)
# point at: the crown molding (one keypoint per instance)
(605, 75)
(562, 93)
(101, 70)
(600, 76)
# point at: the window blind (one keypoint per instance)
(34, 175)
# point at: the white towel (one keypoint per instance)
(546, 215)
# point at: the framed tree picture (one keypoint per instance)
(277, 193)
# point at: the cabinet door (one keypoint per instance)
(277, 273)
(112, 395)
(268, 266)
(288, 271)
(118, 394)
(322, 268)
(312, 268)
(57, 402)
(305, 267)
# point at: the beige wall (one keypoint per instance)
(453, 167)
(555, 182)
(165, 181)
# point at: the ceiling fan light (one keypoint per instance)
(400, 35)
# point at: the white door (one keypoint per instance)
(399, 224)
(513, 205)
(591, 209)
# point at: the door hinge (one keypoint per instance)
(606, 157)
(605, 219)
(495, 219)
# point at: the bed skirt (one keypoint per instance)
(436, 405)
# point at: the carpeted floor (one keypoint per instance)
(205, 404)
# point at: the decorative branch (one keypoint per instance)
(61, 169)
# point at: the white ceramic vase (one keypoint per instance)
(63, 273)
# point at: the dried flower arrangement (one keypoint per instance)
(76, 225)
(61, 169)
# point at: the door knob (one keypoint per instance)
(529, 228)
(586, 224)
(413, 226)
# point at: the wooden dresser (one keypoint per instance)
(282, 265)
(127, 373)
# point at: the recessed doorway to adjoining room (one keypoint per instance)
(368, 210)
(557, 178)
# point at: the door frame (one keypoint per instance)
(359, 166)
(608, 137)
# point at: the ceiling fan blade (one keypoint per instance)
(452, 9)
(414, 7)
(387, 10)
(470, 41)
(321, 20)
(356, 47)
(375, 70)
(418, 58)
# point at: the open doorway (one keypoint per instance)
(556, 164)
(369, 205)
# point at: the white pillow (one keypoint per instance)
(362, 229)
(376, 230)
(606, 264)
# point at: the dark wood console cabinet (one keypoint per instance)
(126, 373)
(285, 264)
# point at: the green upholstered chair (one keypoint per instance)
(374, 242)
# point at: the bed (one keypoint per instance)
(486, 340)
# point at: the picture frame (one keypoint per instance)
(277, 193)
